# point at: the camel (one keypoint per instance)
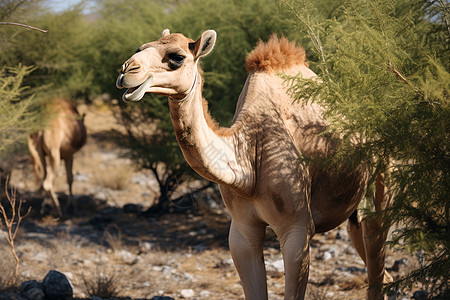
(266, 162)
(63, 135)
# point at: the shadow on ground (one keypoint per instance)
(197, 227)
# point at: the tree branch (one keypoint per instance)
(23, 25)
(404, 80)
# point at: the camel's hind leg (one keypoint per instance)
(368, 238)
(52, 170)
(69, 163)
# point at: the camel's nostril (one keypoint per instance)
(119, 82)
(124, 68)
(132, 69)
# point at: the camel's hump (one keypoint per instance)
(275, 55)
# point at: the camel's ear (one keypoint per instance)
(204, 44)
(165, 32)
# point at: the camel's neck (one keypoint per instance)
(209, 150)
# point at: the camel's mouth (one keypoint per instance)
(137, 93)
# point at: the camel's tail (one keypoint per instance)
(37, 155)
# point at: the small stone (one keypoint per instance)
(127, 257)
(327, 255)
(187, 293)
(162, 298)
(56, 286)
(204, 294)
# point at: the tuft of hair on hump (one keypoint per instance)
(275, 55)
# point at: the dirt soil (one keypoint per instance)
(182, 254)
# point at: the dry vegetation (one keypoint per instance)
(105, 251)
(116, 176)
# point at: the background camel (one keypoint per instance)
(63, 135)
(267, 163)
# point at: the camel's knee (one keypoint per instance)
(247, 240)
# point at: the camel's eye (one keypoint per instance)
(175, 60)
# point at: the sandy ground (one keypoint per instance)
(182, 254)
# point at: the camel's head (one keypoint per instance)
(167, 66)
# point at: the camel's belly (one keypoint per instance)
(335, 198)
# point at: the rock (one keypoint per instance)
(276, 266)
(204, 294)
(351, 269)
(187, 293)
(127, 257)
(146, 246)
(397, 264)
(131, 208)
(327, 255)
(81, 177)
(323, 255)
(31, 290)
(56, 286)
(420, 295)
(224, 263)
(6, 295)
(162, 298)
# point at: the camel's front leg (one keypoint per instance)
(246, 246)
(294, 242)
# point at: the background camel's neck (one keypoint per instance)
(209, 151)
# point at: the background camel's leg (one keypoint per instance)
(294, 243)
(54, 160)
(374, 243)
(355, 233)
(354, 230)
(37, 155)
(69, 163)
(373, 238)
(246, 246)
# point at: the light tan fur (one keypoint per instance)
(63, 135)
(267, 163)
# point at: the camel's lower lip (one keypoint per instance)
(137, 93)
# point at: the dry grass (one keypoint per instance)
(101, 285)
(116, 176)
(113, 237)
(317, 292)
(322, 290)
(7, 265)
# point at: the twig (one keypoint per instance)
(9, 223)
(23, 25)
(446, 12)
(402, 78)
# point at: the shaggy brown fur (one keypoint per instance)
(273, 56)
